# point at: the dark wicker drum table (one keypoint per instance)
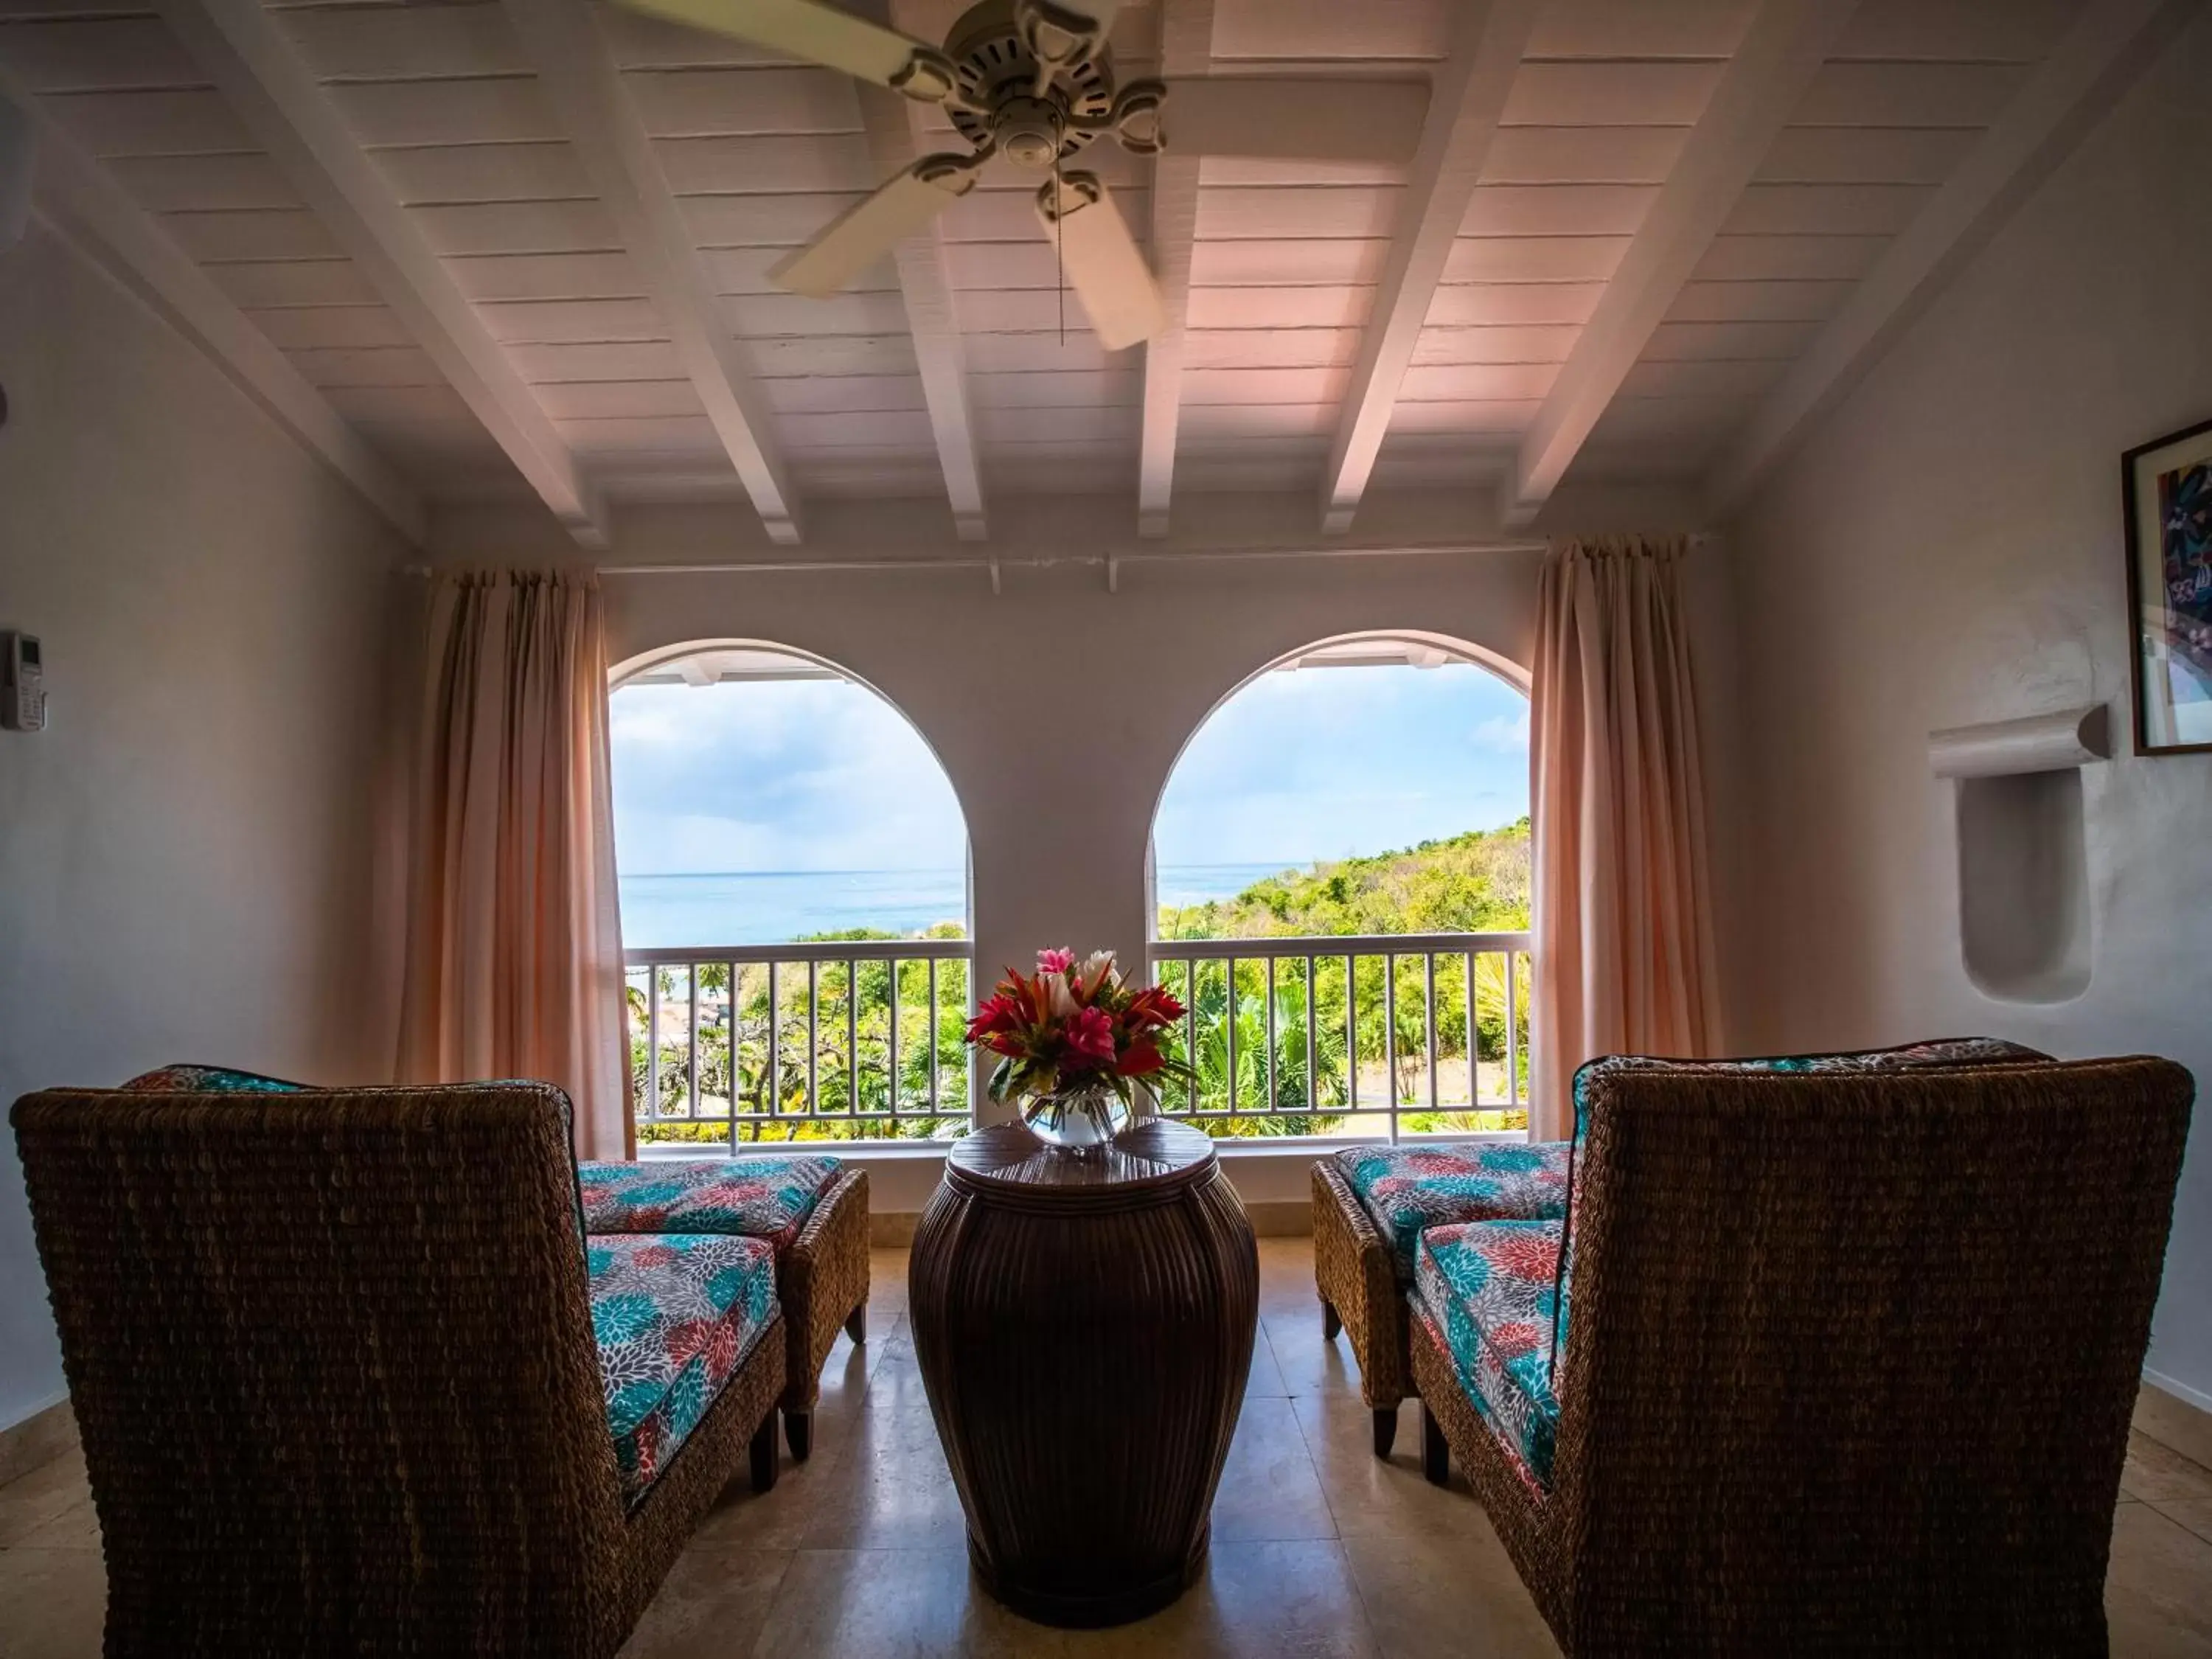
(1084, 1328)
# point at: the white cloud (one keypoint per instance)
(1508, 732)
(777, 776)
(820, 775)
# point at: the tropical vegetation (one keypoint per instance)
(849, 1081)
(1379, 1009)
(1370, 1029)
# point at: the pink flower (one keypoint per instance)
(1055, 962)
(1089, 1035)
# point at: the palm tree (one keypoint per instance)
(1296, 1054)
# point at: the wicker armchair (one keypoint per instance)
(333, 1360)
(1847, 1359)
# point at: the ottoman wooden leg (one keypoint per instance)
(1330, 1324)
(1386, 1429)
(763, 1454)
(798, 1429)
(1436, 1450)
(857, 1326)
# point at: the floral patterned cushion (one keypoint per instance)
(673, 1316)
(209, 1080)
(1487, 1289)
(1406, 1188)
(767, 1198)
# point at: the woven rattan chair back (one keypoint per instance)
(1851, 1359)
(330, 1353)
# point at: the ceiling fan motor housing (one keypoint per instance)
(1029, 130)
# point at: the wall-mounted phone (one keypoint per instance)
(22, 684)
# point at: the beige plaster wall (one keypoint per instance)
(185, 852)
(1946, 549)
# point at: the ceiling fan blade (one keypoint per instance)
(865, 232)
(1275, 119)
(821, 35)
(1108, 273)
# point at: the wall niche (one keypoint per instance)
(2024, 922)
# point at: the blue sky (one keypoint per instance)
(821, 774)
(1326, 762)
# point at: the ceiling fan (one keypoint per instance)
(1031, 83)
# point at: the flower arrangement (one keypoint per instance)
(1073, 1029)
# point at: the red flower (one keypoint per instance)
(1141, 1058)
(998, 1024)
(1155, 1006)
(1072, 1020)
(999, 1013)
(1089, 1034)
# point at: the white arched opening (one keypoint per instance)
(794, 882)
(1339, 879)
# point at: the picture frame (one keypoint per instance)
(2165, 488)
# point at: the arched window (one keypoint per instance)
(1341, 865)
(794, 869)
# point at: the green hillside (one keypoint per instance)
(1475, 882)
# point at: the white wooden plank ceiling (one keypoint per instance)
(650, 338)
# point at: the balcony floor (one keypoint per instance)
(1318, 1550)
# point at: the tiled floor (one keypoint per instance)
(1319, 1550)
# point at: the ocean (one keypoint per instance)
(769, 907)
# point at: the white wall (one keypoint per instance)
(1946, 549)
(185, 852)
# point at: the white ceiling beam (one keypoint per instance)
(1469, 96)
(1766, 80)
(890, 123)
(589, 100)
(1186, 48)
(82, 201)
(2109, 45)
(893, 125)
(240, 47)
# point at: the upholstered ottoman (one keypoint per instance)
(1371, 1205)
(813, 1211)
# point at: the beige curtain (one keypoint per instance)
(1622, 942)
(514, 964)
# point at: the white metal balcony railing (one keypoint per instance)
(846, 1039)
(1370, 1036)
(1365, 1036)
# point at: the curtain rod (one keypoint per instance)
(1045, 562)
(995, 564)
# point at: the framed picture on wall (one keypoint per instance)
(2166, 486)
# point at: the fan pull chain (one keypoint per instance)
(1058, 257)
